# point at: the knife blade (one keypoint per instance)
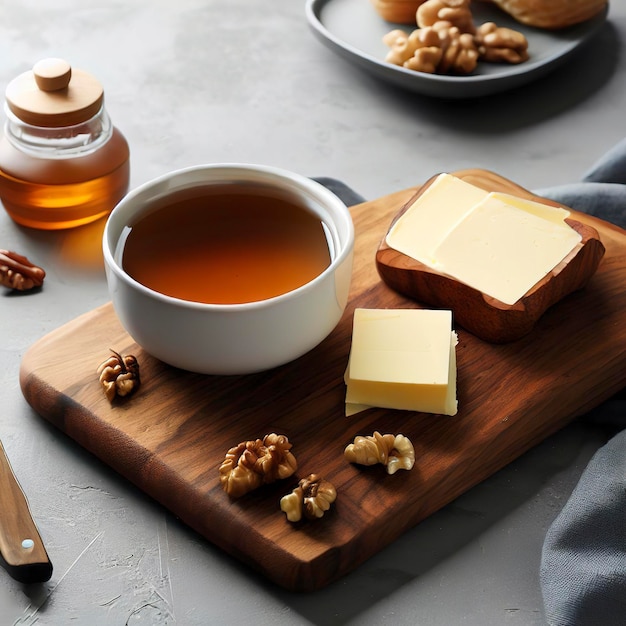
(22, 552)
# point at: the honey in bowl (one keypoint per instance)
(226, 245)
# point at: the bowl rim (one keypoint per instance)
(315, 189)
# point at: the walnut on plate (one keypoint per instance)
(498, 44)
(455, 12)
(438, 49)
(448, 42)
(310, 499)
(253, 463)
(394, 451)
(459, 53)
(405, 46)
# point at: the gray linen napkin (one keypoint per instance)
(340, 189)
(602, 192)
(583, 565)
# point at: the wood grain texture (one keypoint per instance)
(171, 437)
(483, 315)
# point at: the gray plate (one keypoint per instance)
(354, 30)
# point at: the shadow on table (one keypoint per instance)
(78, 249)
(585, 73)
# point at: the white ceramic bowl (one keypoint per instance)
(232, 338)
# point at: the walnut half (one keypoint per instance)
(119, 375)
(501, 45)
(394, 451)
(456, 12)
(310, 499)
(251, 464)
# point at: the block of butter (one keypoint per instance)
(402, 359)
(497, 258)
(493, 242)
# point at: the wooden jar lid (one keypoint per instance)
(53, 94)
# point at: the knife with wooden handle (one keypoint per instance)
(22, 552)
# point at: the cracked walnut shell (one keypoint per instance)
(310, 499)
(253, 463)
(119, 375)
(394, 451)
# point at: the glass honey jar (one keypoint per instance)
(62, 162)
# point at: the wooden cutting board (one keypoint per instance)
(171, 437)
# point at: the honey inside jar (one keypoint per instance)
(226, 245)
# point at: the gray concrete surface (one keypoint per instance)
(240, 80)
